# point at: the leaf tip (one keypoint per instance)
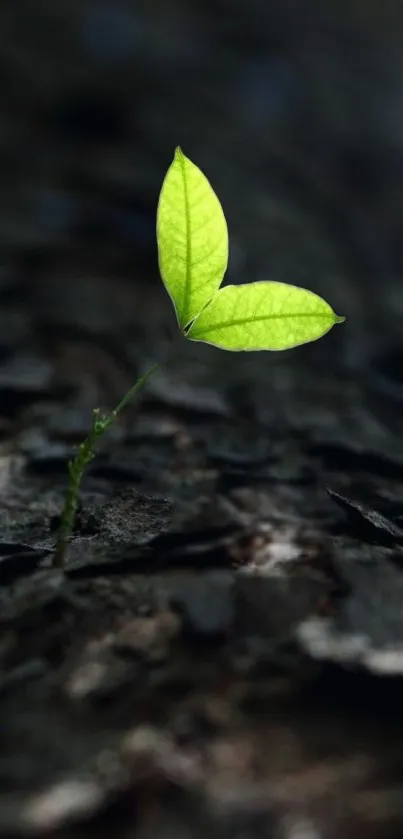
(178, 153)
(339, 319)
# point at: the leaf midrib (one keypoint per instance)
(188, 272)
(261, 318)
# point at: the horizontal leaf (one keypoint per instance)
(192, 238)
(263, 316)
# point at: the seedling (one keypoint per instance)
(192, 240)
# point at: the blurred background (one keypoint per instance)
(293, 110)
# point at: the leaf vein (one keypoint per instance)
(261, 318)
(207, 255)
(188, 273)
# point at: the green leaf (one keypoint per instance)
(192, 238)
(263, 316)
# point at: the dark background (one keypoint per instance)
(292, 109)
(224, 651)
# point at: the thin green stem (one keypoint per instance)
(132, 392)
(77, 467)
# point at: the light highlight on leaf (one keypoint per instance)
(192, 238)
(263, 316)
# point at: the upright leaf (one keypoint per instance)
(192, 238)
(263, 316)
